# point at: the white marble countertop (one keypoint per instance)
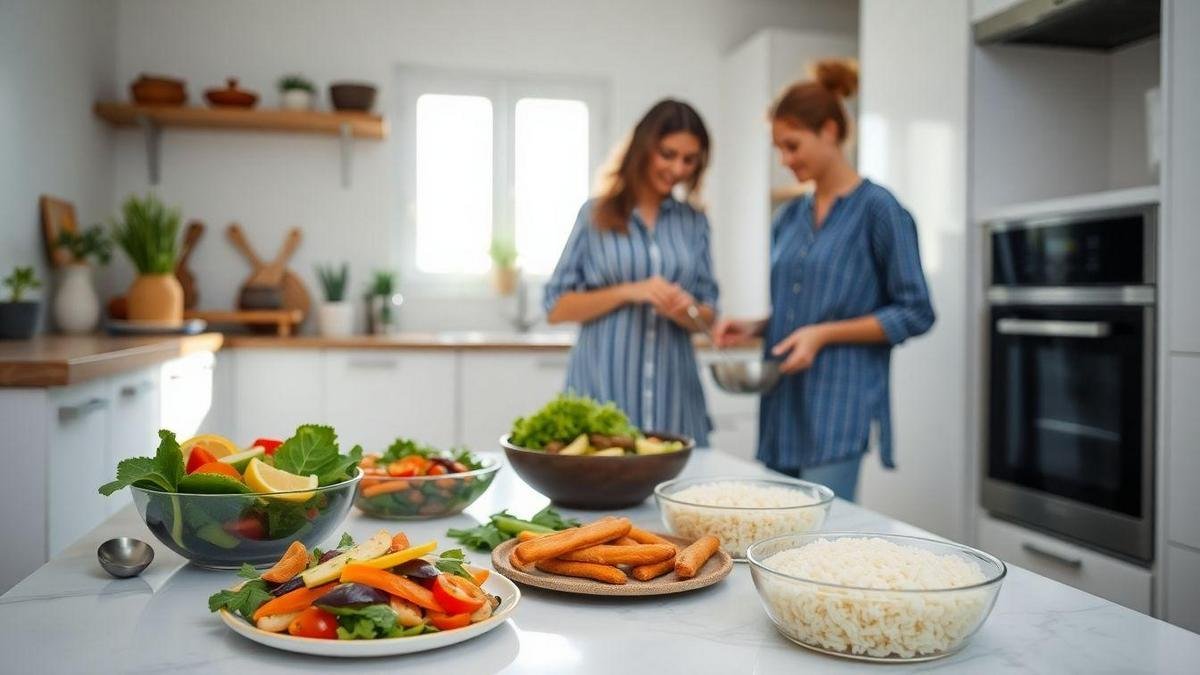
(70, 617)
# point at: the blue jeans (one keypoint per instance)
(841, 477)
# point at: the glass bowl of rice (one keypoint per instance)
(875, 597)
(740, 510)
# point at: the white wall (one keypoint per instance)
(913, 118)
(644, 50)
(56, 57)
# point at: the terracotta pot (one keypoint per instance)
(157, 298)
(504, 279)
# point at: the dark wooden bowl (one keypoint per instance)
(588, 482)
(352, 96)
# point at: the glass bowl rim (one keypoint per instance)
(319, 489)
(490, 465)
(962, 548)
(825, 494)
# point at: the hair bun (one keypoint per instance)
(839, 76)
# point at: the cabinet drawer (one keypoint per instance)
(1183, 455)
(78, 450)
(372, 397)
(1183, 587)
(275, 391)
(134, 424)
(1087, 570)
(498, 387)
(187, 392)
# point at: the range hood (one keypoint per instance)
(1101, 25)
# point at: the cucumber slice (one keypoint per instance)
(239, 460)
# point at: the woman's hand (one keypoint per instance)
(801, 347)
(735, 332)
(667, 298)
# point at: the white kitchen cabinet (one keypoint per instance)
(496, 387)
(373, 397)
(134, 424)
(275, 391)
(187, 394)
(1181, 173)
(1183, 600)
(1121, 582)
(1183, 451)
(77, 447)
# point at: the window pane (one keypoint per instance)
(551, 177)
(454, 183)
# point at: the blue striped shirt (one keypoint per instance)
(862, 260)
(642, 361)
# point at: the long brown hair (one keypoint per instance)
(616, 198)
(810, 104)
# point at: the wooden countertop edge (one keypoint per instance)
(54, 372)
(367, 343)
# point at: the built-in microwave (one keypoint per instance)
(1070, 377)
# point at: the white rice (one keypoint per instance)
(743, 525)
(870, 622)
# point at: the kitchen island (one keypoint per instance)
(70, 617)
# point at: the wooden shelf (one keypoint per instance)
(152, 119)
(362, 125)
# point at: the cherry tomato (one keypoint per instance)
(247, 528)
(198, 458)
(448, 621)
(315, 622)
(269, 445)
(398, 469)
(456, 594)
(219, 467)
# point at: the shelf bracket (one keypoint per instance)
(347, 148)
(152, 133)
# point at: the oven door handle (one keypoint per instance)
(1071, 329)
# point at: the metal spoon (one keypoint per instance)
(694, 312)
(125, 556)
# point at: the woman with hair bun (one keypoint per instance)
(846, 287)
(636, 261)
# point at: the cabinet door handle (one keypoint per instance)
(68, 413)
(1070, 329)
(1073, 563)
(131, 390)
(372, 364)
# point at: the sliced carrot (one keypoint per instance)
(391, 583)
(293, 562)
(480, 574)
(399, 542)
(385, 487)
(294, 601)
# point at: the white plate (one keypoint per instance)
(496, 584)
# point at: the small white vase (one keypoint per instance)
(296, 99)
(335, 319)
(76, 305)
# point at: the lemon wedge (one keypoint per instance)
(217, 446)
(264, 478)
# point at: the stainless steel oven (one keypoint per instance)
(1070, 378)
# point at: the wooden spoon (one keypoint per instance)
(191, 294)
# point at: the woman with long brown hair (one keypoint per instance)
(846, 287)
(636, 261)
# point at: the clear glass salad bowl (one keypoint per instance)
(222, 531)
(423, 497)
(938, 606)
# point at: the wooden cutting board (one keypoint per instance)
(191, 293)
(295, 293)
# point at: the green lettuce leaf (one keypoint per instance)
(251, 596)
(160, 473)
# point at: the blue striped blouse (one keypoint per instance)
(862, 260)
(640, 360)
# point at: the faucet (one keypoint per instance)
(520, 319)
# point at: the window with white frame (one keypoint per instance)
(488, 157)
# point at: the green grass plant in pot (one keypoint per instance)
(76, 304)
(296, 92)
(505, 273)
(335, 316)
(18, 317)
(383, 303)
(147, 230)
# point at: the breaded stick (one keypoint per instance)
(554, 545)
(606, 554)
(624, 541)
(606, 573)
(691, 559)
(526, 535)
(643, 537)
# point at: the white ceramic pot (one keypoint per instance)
(296, 99)
(335, 319)
(76, 305)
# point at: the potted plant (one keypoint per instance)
(18, 318)
(296, 92)
(382, 303)
(505, 272)
(147, 232)
(76, 304)
(335, 316)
